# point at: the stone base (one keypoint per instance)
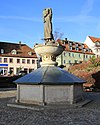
(50, 107)
(49, 94)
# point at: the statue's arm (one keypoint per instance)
(45, 14)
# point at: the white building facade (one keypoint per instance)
(16, 58)
(94, 44)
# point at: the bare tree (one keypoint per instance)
(57, 35)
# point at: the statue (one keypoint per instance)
(47, 19)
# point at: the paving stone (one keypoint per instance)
(86, 115)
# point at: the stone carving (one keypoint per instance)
(47, 19)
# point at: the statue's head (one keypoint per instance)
(48, 9)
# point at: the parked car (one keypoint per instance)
(22, 73)
(88, 89)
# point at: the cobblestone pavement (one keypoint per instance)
(87, 115)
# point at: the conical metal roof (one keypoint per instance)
(49, 75)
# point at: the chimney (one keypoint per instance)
(20, 44)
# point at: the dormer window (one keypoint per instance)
(14, 51)
(84, 50)
(70, 44)
(2, 51)
(77, 48)
(30, 53)
(89, 50)
(82, 45)
(97, 43)
(70, 47)
(76, 45)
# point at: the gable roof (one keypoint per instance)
(21, 49)
(81, 46)
(94, 39)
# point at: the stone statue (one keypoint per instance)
(47, 19)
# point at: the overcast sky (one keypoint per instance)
(21, 20)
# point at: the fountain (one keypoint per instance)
(49, 84)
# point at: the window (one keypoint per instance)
(0, 59)
(98, 50)
(33, 61)
(82, 45)
(75, 61)
(73, 54)
(76, 45)
(70, 47)
(64, 54)
(11, 60)
(23, 60)
(89, 50)
(64, 61)
(36, 61)
(69, 54)
(5, 60)
(14, 51)
(11, 70)
(28, 61)
(84, 50)
(17, 70)
(77, 48)
(2, 51)
(97, 43)
(70, 44)
(86, 56)
(18, 60)
(30, 53)
(69, 61)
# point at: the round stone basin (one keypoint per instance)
(48, 50)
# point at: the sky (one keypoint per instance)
(21, 20)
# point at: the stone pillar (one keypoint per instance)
(42, 89)
(18, 93)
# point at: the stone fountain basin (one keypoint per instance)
(48, 49)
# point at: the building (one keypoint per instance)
(94, 44)
(15, 58)
(75, 52)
